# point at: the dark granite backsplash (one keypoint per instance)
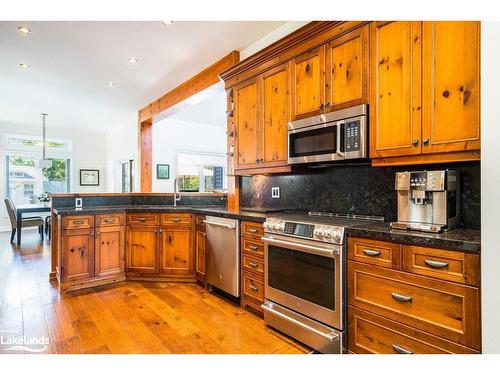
(359, 189)
(186, 200)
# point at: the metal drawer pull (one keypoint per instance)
(371, 253)
(401, 297)
(252, 230)
(254, 288)
(141, 219)
(401, 350)
(77, 222)
(253, 247)
(176, 220)
(435, 264)
(252, 264)
(109, 220)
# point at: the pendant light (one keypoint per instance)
(44, 162)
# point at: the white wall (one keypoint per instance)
(490, 183)
(171, 136)
(88, 153)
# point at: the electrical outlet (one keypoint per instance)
(78, 202)
(275, 192)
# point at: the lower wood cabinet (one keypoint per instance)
(411, 299)
(77, 254)
(109, 251)
(370, 333)
(142, 249)
(200, 270)
(176, 250)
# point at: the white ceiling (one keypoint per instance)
(72, 61)
(211, 111)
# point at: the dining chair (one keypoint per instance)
(26, 223)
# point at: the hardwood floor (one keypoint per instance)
(132, 317)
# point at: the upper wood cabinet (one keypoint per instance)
(246, 113)
(308, 83)
(451, 86)
(176, 250)
(347, 70)
(262, 111)
(424, 92)
(331, 77)
(395, 116)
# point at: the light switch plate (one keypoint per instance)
(78, 202)
(275, 192)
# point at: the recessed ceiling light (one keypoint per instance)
(111, 84)
(24, 30)
(133, 60)
(167, 23)
(25, 66)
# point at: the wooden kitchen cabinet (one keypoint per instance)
(142, 249)
(308, 83)
(451, 90)
(395, 112)
(176, 250)
(109, 250)
(246, 113)
(262, 110)
(200, 236)
(346, 70)
(424, 92)
(77, 254)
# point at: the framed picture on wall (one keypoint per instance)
(89, 177)
(162, 171)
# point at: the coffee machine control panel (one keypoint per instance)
(422, 180)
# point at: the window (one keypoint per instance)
(35, 143)
(201, 172)
(25, 181)
(127, 168)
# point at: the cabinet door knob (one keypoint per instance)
(321, 106)
(327, 105)
(415, 142)
(426, 142)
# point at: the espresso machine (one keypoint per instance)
(428, 201)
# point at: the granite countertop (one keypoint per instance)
(464, 239)
(203, 210)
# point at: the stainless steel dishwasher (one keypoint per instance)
(223, 254)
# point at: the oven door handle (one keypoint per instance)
(327, 336)
(302, 247)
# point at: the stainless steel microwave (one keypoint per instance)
(338, 135)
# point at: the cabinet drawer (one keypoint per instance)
(78, 222)
(253, 247)
(379, 253)
(107, 220)
(369, 333)
(142, 219)
(252, 286)
(166, 219)
(442, 308)
(442, 264)
(251, 229)
(252, 264)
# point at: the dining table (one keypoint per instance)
(28, 209)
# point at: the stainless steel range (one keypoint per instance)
(305, 277)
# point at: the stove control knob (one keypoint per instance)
(335, 235)
(280, 227)
(320, 232)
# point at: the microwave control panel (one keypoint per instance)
(352, 137)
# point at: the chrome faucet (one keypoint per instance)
(177, 195)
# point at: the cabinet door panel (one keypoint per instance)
(246, 102)
(176, 251)
(308, 83)
(109, 251)
(200, 252)
(395, 116)
(275, 110)
(77, 254)
(347, 70)
(451, 86)
(142, 249)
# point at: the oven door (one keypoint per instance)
(305, 276)
(316, 143)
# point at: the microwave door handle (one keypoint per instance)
(339, 135)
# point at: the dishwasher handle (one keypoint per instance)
(228, 226)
